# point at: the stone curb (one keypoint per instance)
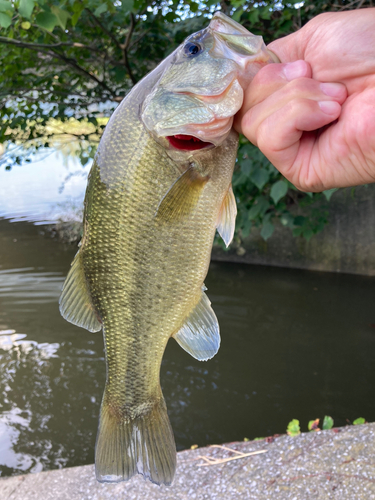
(335, 464)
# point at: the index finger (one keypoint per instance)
(268, 80)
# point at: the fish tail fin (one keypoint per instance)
(143, 445)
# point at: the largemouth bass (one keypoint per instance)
(159, 188)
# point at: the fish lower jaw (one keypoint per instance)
(184, 142)
(197, 137)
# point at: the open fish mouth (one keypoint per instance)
(185, 142)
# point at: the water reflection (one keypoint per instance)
(47, 190)
(295, 344)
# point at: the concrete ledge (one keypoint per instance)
(338, 464)
(347, 243)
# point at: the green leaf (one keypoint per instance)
(254, 211)
(46, 20)
(61, 15)
(299, 220)
(278, 190)
(171, 16)
(238, 3)
(266, 12)
(329, 192)
(194, 7)
(263, 203)
(246, 166)
(77, 9)
(359, 421)
(307, 233)
(267, 230)
(239, 179)
(26, 7)
(327, 423)
(253, 16)
(101, 9)
(5, 20)
(127, 5)
(237, 15)
(246, 228)
(120, 74)
(293, 428)
(260, 177)
(313, 425)
(5, 5)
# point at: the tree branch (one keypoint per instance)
(79, 45)
(71, 62)
(125, 47)
(51, 51)
(103, 28)
(140, 38)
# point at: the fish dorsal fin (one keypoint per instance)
(199, 335)
(227, 217)
(182, 197)
(75, 301)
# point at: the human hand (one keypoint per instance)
(319, 134)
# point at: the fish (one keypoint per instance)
(158, 189)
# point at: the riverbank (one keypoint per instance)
(334, 464)
(346, 244)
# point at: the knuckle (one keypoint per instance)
(268, 74)
(301, 86)
(248, 126)
(299, 105)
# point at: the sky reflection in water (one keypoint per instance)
(46, 190)
(295, 344)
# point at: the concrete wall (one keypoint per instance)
(347, 244)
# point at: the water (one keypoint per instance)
(49, 189)
(295, 344)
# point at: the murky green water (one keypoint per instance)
(295, 344)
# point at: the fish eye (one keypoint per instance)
(192, 49)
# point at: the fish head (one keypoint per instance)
(192, 106)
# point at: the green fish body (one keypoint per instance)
(152, 206)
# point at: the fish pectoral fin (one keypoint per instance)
(75, 301)
(182, 197)
(227, 217)
(199, 335)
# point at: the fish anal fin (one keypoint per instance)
(199, 335)
(75, 301)
(143, 444)
(227, 217)
(182, 197)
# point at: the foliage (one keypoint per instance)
(359, 421)
(327, 423)
(264, 197)
(313, 425)
(293, 428)
(78, 59)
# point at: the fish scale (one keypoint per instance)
(151, 212)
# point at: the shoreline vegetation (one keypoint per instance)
(67, 66)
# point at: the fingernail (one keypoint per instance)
(294, 70)
(332, 89)
(329, 107)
